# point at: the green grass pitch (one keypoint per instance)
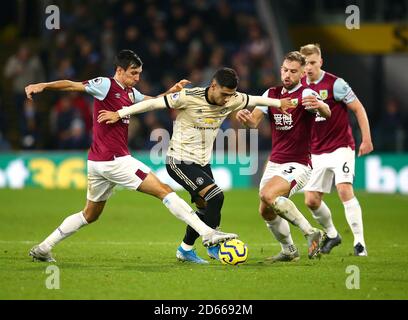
(129, 253)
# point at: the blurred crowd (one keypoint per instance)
(175, 39)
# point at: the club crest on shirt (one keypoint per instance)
(200, 181)
(117, 95)
(131, 97)
(323, 94)
(294, 102)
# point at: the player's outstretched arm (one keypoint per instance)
(282, 104)
(146, 105)
(366, 145)
(60, 85)
(175, 88)
(250, 119)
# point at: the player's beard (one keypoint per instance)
(290, 86)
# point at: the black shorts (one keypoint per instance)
(191, 176)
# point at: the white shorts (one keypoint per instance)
(338, 164)
(103, 176)
(295, 173)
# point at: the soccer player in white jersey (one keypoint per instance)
(109, 159)
(332, 149)
(201, 113)
(289, 166)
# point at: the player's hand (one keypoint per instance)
(310, 102)
(244, 116)
(179, 85)
(108, 116)
(365, 148)
(32, 89)
(286, 104)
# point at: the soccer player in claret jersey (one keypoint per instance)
(201, 113)
(109, 159)
(332, 149)
(288, 168)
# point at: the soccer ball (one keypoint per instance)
(233, 252)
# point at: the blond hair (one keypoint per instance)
(312, 48)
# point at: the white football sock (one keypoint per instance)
(354, 218)
(179, 208)
(281, 231)
(287, 210)
(324, 217)
(186, 247)
(68, 227)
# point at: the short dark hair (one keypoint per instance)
(226, 77)
(126, 59)
(296, 56)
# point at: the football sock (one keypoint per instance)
(324, 217)
(68, 227)
(179, 208)
(211, 215)
(191, 235)
(215, 199)
(355, 219)
(287, 210)
(281, 231)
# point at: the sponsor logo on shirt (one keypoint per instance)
(319, 118)
(283, 121)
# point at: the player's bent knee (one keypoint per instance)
(313, 200)
(345, 192)
(313, 203)
(267, 197)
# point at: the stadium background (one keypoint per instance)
(43, 143)
(191, 40)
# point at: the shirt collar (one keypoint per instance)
(120, 85)
(292, 90)
(318, 80)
